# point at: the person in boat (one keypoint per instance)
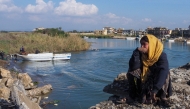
(148, 74)
(37, 51)
(2, 55)
(22, 50)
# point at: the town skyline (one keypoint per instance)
(87, 15)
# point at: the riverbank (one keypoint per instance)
(3, 63)
(18, 91)
(180, 98)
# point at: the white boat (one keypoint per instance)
(188, 41)
(171, 40)
(130, 38)
(85, 37)
(45, 56)
(63, 56)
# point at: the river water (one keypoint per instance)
(78, 83)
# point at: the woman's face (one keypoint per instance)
(144, 46)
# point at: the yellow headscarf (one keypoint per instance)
(154, 51)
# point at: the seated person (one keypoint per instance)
(148, 74)
(37, 51)
(22, 51)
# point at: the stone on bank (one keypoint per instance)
(18, 91)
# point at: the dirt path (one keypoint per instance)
(3, 63)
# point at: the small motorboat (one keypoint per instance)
(45, 56)
(131, 38)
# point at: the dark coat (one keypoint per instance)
(159, 70)
(135, 60)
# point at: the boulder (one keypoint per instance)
(13, 93)
(3, 81)
(18, 94)
(25, 78)
(5, 73)
(4, 92)
(40, 90)
(9, 82)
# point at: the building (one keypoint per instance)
(110, 30)
(105, 31)
(129, 32)
(98, 32)
(120, 31)
(159, 32)
(141, 33)
(40, 28)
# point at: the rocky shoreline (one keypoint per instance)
(18, 91)
(180, 98)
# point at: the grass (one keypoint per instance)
(11, 42)
(98, 36)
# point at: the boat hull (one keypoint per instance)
(130, 38)
(65, 56)
(45, 57)
(188, 42)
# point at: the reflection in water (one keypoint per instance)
(170, 45)
(113, 43)
(43, 68)
(180, 46)
(43, 64)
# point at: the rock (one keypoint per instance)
(25, 103)
(13, 94)
(25, 78)
(4, 92)
(40, 91)
(5, 73)
(9, 82)
(121, 76)
(3, 81)
(187, 66)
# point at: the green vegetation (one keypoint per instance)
(35, 83)
(53, 32)
(11, 42)
(97, 36)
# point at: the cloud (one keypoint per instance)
(146, 20)
(112, 18)
(4, 1)
(186, 21)
(73, 8)
(40, 7)
(8, 6)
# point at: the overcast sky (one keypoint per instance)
(85, 15)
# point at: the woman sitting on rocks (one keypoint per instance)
(148, 75)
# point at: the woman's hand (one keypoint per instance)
(153, 96)
(143, 50)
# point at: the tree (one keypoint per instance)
(60, 28)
